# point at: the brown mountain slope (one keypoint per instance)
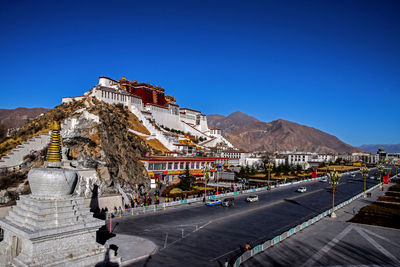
(280, 135)
(232, 123)
(15, 118)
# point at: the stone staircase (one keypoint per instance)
(154, 133)
(16, 157)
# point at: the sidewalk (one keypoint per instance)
(131, 248)
(336, 242)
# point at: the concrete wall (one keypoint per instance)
(108, 202)
(167, 119)
(4, 211)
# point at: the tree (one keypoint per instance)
(338, 160)
(242, 171)
(3, 132)
(187, 181)
(247, 169)
(252, 170)
(298, 168)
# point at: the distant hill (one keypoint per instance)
(231, 123)
(390, 148)
(251, 134)
(15, 118)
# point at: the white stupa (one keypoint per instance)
(51, 227)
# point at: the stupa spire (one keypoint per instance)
(54, 151)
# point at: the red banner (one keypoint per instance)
(314, 173)
(386, 178)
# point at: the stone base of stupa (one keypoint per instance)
(50, 232)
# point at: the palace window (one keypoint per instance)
(181, 165)
(176, 165)
(169, 165)
(151, 166)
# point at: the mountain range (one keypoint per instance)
(250, 134)
(15, 118)
(245, 132)
(390, 148)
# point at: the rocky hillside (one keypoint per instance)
(250, 134)
(15, 118)
(97, 142)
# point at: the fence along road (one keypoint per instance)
(202, 236)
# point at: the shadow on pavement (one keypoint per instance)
(102, 235)
(106, 262)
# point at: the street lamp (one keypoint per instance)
(364, 171)
(206, 176)
(396, 165)
(327, 164)
(380, 168)
(334, 178)
(269, 167)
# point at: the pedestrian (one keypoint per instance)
(226, 264)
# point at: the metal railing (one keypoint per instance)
(262, 247)
(165, 205)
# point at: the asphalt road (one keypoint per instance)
(197, 235)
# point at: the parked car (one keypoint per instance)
(213, 202)
(324, 180)
(353, 175)
(252, 198)
(227, 202)
(302, 189)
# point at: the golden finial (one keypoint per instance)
(54, 151)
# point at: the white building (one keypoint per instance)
(236, 157)
(157, 108)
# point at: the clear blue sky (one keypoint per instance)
(332, 65)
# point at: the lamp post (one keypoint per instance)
(269, 167)
(327, 164)
(206, 170)
(380, 168)
(334, 178)
(364, 171)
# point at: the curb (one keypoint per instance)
(165, 205)
(262, 247)
(127, 262)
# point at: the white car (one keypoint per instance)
(302, 189)
(353, 175)
(252, 198)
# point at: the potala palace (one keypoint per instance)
(157, 112)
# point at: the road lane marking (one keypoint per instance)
(381, 237)
(375, 244)
(166, 238)
(179, 239)
(311, 261)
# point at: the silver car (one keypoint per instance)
(252, 198)
(302, 189)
